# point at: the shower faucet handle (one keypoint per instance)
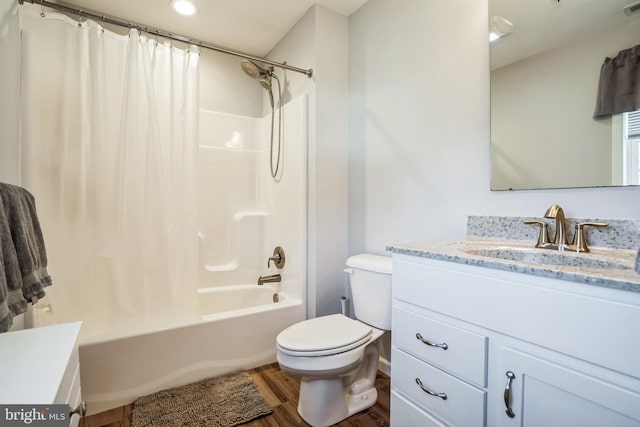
(278, 258)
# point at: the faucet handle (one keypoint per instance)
(278, 258)
(543, 238)
(579, 240)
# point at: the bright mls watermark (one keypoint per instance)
(34, 415)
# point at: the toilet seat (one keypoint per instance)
(323, 336)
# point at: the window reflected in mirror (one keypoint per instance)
(630, 144)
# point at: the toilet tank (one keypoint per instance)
(370, 278)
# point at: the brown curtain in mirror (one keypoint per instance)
(619, 86)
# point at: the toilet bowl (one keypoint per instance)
(336, 357)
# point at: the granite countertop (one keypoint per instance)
(605, 267)
(616, 271)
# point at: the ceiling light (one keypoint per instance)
(184, 7)
(499, 27)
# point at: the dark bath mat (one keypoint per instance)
(214, 402)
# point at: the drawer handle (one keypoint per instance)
(507, 394)
(442, 396)
(443, 346)
(81, 410)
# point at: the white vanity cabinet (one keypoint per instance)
(573, 350)
(41, 366)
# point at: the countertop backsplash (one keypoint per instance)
(619, 234)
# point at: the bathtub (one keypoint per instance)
(236, 329)
(230, 301)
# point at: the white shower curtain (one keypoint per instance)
(109, 140)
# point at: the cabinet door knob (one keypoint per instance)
(443, 346)
(507, 394)
(81, 410)
(442, 396)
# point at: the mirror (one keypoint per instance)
(544, 80)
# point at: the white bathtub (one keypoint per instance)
(230, 301)
(237, 330)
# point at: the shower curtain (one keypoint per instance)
(108, 147)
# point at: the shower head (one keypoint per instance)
(263, 75)
(254, 71)
(265, 82)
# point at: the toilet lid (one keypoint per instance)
(323, 335)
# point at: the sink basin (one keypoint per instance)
(552, 257)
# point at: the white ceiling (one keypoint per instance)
(540, 25)
(256, 26)
(249, 26)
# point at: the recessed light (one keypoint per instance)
(184, 7)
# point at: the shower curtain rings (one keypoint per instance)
(42, 9)
(79, 18)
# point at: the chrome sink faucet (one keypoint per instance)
(560, 241)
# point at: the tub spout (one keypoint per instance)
(269, 279)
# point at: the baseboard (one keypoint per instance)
(384, 366)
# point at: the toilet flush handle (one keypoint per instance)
(348, 270)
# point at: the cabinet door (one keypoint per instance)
(546, 394)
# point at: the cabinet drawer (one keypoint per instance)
(406, 414)
(465, 404)
(466, 351)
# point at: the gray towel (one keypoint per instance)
(23, 258)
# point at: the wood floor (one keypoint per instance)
(281, 393)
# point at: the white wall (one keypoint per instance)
(330, 162)
(10, 90)
(318, 41)
(225, 88)
(415, 170)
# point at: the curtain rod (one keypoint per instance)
(166, 34)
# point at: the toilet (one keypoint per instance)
(336, 357)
